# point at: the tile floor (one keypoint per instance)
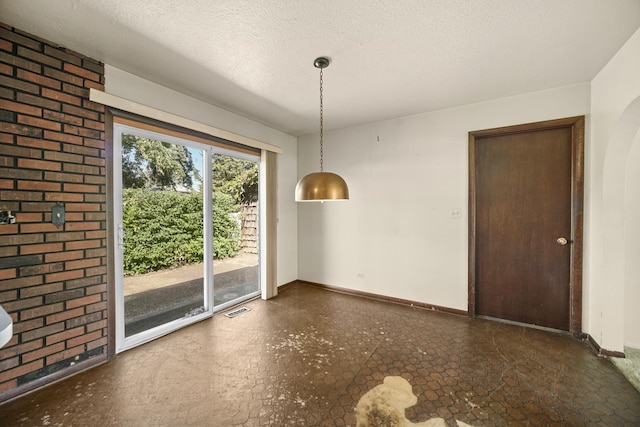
(306, 358)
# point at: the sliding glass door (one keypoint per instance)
(186, 218)
(235, 227)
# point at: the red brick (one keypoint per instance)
(85, 263)
(97, 143)
(38, 143)
(62, 54)
(81, 149)
(64, 335)
(16, 151)
(36, 206)
(95, 271)
(41, 311)
(6, 184)
(95, 253)
(96, 289)
(61, 96)
(17, 38)
(39, 185)
(6, 69)
(38, 101)
(19, 327)
(82, 92)
(84, 301)
(97, 343)
(22, 217)
(84, 338)
(37, 122)
(81, 188)
(62, 276)
(14, 350)
(99, 306)
(81, 112)
(74, 69)
(42, 332)
(63, 256)
(21, 370)
(38, 79)
(19, 195)
(22, 304)
(95, 216)
(63, 157)
(85, 244)
(76, 226)
(40, 290)
(20, 129)
(96, 198)
(65, 354)
(62, 137)
(60, 176)
(9, 273)
(39, 57)
(74, 216)
(9, 363)
(64, 197)
(19, 84)
(94, 125)
(65, 315)
(8, 228)
(95, 161)
(6, 45)
(93, 105)
(37, 228)
(20, 108)
(88, 133)
(84, 282)
(8, 251)
(82, 207)
(102, 324)
(62, 76)
(19, 282)
(65, 237)
(83, 169)
(6, 138)
(41, 248)
(45, 351)
(94, 85)
(8, 295)
(39, 164)
(62, 117)
(33, 270)
(9, 385)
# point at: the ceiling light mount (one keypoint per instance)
(321, 186)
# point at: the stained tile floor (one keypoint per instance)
(307, 357)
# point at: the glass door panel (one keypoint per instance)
(236, 246)
(162, 235)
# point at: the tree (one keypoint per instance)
(235, 177)
(148, 163)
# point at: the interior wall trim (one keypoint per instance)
(384, 298)
(144, 110)
(603, 351)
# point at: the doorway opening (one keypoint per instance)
(186, 225)
(525, 223)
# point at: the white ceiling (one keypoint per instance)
(390, 58)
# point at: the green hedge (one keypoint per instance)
(163, 229)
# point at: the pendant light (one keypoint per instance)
(321, 186)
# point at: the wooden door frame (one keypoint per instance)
(576, 124)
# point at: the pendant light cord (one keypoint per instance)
(321, 123)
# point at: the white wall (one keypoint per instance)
(396, 237)
(615, 112)
(128, 86)
(632, 253)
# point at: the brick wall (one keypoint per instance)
(52, 150)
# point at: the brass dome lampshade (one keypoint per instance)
(321, 186)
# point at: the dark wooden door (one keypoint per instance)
(523, 181)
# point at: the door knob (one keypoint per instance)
(562, 241)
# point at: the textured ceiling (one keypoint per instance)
(390, 58)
